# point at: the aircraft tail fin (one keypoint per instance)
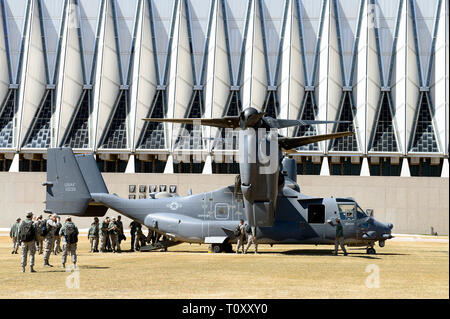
(70, 182)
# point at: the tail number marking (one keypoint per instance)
(70, 187)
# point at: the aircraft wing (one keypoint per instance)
(281, 123)
(227, 121)
(288, 143)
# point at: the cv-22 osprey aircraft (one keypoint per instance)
(265, 194)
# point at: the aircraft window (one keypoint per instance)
(316, 214)
(348, 210)
(360, 213)
(221, 211)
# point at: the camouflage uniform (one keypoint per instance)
(14, 234)
(40, 238)
(251, 239)
(114, 236)
(93, 236)
(108, 242)
(49, 240)
(103, 231)
(67, 247)
(339, 240)
(28, 247)
(241, 238)
(57, 245)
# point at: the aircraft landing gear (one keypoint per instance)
(218, 248)
(371, 251)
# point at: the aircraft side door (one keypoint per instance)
(347, 214)
(316, 212)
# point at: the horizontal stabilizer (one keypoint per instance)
(91, 174)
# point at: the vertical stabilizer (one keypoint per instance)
(69, 184)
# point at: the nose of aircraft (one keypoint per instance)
(379, 230)
(385, 230)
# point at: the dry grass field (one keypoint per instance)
(405, 268)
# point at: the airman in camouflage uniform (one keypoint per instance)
(14, 234)
(103, 231)
(28, 247)
(49, 239)
(114, 236)
(251, 237)
(93, 235)
(57, 245)
(40, 239)
(339, 240)
(68, 247)
(241, 236)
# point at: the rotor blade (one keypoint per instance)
(280, 123)
(225, 122)
(288, 143)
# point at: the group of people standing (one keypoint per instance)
(109, 235)
(36, 234)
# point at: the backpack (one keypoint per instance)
(27, 232)
(71, 234)
(58, 228)
(248, 229)
(44, 229)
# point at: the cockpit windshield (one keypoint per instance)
(359, 212)
(350, 210)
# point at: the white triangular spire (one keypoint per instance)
(325, 169)
(365, 171)
(405, 168)
(444, 172)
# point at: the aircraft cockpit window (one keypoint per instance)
(360, 213)
(222, 211)
(347, 210)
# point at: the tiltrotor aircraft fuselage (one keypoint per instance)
(270, 202)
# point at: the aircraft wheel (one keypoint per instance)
(216, 249)
(371, 251)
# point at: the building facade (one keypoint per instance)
(83, 74)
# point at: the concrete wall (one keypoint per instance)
(412, 204)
